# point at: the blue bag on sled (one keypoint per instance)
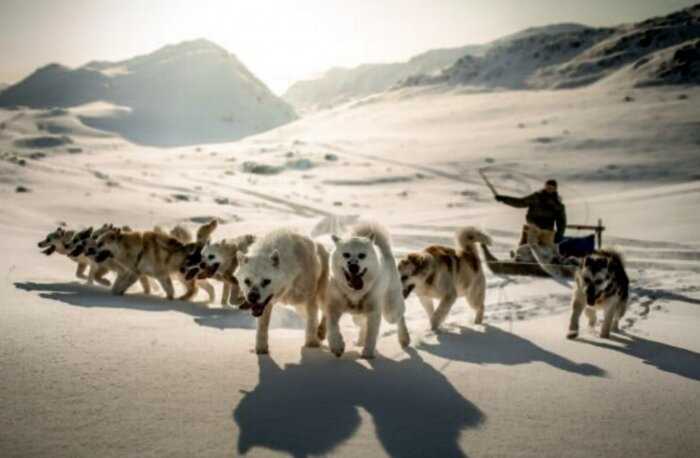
(577, 246)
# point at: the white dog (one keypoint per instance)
(364, 282)
(284, 267)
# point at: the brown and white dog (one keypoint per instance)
(601, 283)
(58, 241)
(444, 273)
(183, 235)
(219, 260)
(86, 248)
(151, 253)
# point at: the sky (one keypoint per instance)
(282, 41)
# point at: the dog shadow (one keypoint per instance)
(82, 295)
(495, 346)
(663, 294)
(312, 407)
(664, 357)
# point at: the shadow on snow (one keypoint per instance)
(82, 295)
(495, 346)
(312, 407)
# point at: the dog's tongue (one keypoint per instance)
(257, 309)
(355, 281)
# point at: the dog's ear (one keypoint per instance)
(418, 261)
(204, 232)
(275, 258)
(85, 234)
(372, 236)
(245, 242)
(335, 239)
(612, 263)
(242, 258)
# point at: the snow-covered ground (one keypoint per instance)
(85, 373)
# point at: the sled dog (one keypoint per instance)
(219, 260)
(601, 283)
(70, 244)
(444, 273)
(151, 253)
(283, 267)
(365, 283)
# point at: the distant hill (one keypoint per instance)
(339, 85)
(189, 93)
(656, 51)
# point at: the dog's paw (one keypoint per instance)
(312, 344)
(572, 334)
(604, 335)
(367, 354)
(338, 350)
(262, 350)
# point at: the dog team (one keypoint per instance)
(359, 276)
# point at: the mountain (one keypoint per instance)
(189, 93)
(339, 85)
(656, 51)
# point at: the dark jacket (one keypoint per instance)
(544, 210)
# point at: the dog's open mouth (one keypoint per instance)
(209, 271)
(258, 308)
(103, 255)
(355, 280)
(49, 251)
(190, 273)
(408, 290)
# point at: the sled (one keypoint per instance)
(540, 269)
(559, 272)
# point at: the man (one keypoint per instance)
(544, 210)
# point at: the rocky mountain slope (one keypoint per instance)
(660, 50)
(339, 85)
(189, 93)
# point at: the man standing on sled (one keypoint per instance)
(546, 219)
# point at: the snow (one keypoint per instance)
(340, 85)
(185, 94)
(574, 56)
(85, 373)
